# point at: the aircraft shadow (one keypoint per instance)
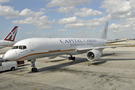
(117, 59)
(55, 67)
(81, 60)
(107, 54)
(19, 68)
(58, 60)
(98, 62)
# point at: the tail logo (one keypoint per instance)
(11, 36)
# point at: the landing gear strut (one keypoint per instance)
(71, 58)
(34, 69)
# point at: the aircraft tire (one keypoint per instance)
(71, 58)
(34, 70)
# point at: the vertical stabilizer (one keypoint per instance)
(11, 36)
(104, 33)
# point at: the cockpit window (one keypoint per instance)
(15, 47)
(24, 47)
(19, 47)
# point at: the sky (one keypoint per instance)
(68, 18)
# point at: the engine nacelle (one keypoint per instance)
(93, 55)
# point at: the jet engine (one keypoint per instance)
(93, 55)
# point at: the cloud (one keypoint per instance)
(66, 3)
(122, 29)
(132, 3)
(4, 1)
(81, 34)
(9, 12)
(119, 27)
(68, 20)
(66, 9)
(85, 23)
(119, 9)
(116, 6)
(124, 25)
(74, 22)
(76, 25)
(29, 33)
(33, 18)
(28, 13)
(85, 12)
(62, 30)
(42, 22)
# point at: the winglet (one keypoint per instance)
(104, 33)
(11, 36)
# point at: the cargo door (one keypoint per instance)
(31, 46)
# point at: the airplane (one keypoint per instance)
(33, 48)
(9, 39)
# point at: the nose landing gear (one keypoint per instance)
(34, 69)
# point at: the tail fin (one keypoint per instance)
(104, 33)
(11, 36)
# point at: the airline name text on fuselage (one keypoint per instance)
(71, 41)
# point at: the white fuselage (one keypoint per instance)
(47, 47)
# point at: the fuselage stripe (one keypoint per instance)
(44, 53)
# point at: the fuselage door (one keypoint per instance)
(31, 46)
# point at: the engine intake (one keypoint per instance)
(93, 55)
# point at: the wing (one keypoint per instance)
(102, 47)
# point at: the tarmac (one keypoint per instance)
(114, 71)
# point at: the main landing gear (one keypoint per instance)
(71, 58)
(34, 69)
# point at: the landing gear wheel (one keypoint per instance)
(71, 58)
(34, 70)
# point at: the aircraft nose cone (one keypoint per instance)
(9, 55)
